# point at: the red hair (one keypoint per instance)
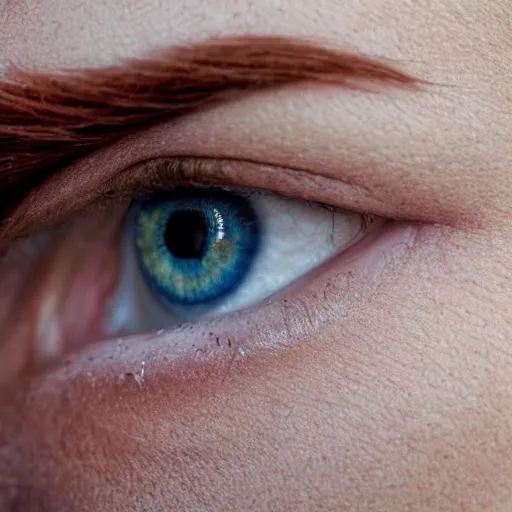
(48, 120)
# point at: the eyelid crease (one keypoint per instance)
(50, 120)
(50, 207)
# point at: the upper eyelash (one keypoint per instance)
(187, 172)
(146, 177)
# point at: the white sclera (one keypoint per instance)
(296, 237)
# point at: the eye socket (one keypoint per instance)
(191, 253)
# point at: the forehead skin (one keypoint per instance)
(69, 33)
(419, 421)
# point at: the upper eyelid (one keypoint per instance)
(85, 110)
(48, 205)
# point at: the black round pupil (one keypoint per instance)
(185, 234)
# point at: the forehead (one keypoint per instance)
(69, 33)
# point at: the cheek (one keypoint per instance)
(401, 405)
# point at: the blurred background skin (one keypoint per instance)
(402, 405)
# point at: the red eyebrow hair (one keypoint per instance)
(49, 120)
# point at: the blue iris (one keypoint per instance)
(195, 245)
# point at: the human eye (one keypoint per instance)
(201, 252)
(177, 255)
(166, 243)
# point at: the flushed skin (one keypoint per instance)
(398, 401)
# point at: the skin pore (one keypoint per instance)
(397, 399)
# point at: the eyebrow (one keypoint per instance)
(48, 120)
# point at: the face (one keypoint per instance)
(376, 377)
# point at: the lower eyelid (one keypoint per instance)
(326, 298)
(55, 287)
